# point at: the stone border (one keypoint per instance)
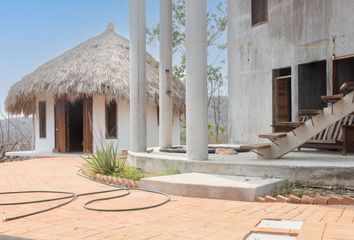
(318, 200)
(123, 182)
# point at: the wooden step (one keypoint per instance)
(290, 124)
(333, 98)
(347, 86)
(256, 146)
(274, 136)
(310, 112)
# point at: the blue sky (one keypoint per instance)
(34, 31)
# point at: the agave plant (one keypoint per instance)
(105, 161)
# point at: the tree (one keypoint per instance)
(217, 25)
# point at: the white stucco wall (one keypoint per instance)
(98, 122)
(124, 124)
(45, 144)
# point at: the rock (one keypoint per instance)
(270, 198)
(120, 181)
(109, 179)
(347, 201)
(105, 178)
(132, 183)
(115, 181)
(281, 198)
(225, 151)
(320, 200)
(260, 199)
(306, 199)
(334, 200)
(294, 199)
(124, 153)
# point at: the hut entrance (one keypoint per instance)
(73, 131)
(75, 127)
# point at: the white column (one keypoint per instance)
(165, 98)
(137, 58)
(196, 88)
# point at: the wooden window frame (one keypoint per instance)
(266, 15)
(42, 123)
(107, 111)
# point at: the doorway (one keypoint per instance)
(312, 78)
(75, 128)
(73, 125)
(343, 71)
(282, 95)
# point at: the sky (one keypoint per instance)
(34, 31)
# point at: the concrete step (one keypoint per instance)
(213, 186)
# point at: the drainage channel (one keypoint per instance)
(275, 224)
(71, 196)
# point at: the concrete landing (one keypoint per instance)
(307, 167)
(213, 186)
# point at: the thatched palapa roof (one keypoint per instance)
(98, 66)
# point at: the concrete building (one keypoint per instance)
(282, 56)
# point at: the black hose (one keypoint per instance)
(72, 196)
(86, 205)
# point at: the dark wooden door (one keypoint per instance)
(61, 123)
(283, 99)
(87, 125)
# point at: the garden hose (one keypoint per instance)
(86, 205)
(71, 196)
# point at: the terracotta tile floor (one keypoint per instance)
(182, 218)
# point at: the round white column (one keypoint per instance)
(165, 91)
(137, 58)
(196, 88)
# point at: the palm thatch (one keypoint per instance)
(98, 66)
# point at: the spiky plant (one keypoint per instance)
(105, 161)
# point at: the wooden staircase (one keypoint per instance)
(282, 143)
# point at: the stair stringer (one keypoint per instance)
(304, 133)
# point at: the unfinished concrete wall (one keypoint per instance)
(297, 32)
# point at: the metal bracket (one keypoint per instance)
(312, 121)
(256, 153)
(273, 141)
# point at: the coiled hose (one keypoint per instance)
(71, 196)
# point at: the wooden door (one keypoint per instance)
(61, 123)
(87, 125)
(283, 99)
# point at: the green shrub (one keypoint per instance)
(105, 161)
(130, 173)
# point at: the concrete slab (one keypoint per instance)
(314, 167)
(264, 236)
(213, 186)
(282, 224)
